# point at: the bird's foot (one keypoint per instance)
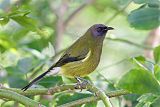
(81, 83)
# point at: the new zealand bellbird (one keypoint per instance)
(81, 58)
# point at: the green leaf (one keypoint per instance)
(51, 81)
(15, 82)
(141, 62)
(91, 104)
(6, 42)
(26, 22)
(19, 35)
(139, 81)
(13, 71)
(157, 72)
(156, 54)
(146, 100)
(156, 103)
(153, 3)
(145, 18)
(4, 20)
(140, 58)
(132, 98)
(20, 16)
(26, 64)
(67, 97)
(38, 44)
(18, 12)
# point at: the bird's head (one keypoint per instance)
(100, 30)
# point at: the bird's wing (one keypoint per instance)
(70, 56)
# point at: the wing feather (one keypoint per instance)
(69, 57)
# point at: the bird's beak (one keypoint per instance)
(110, 28)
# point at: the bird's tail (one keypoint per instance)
(37, 79)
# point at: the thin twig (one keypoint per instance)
(111, 65)
(105, 79)
(130, 43)
(108, 66)
(72, 15)
(117, 13)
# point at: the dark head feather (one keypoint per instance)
(99, 30)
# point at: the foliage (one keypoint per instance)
(146, 16)
(142, 80)
(29, 32)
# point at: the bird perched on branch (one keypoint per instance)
(81, 58)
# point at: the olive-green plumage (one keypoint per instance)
(81, 58)
(87, 48)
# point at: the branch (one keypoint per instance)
(74, 13)
(113, 64)
(19, 98)
(101, 94)
(64, 87)
(43, 91)
(59, 26)
(117, 13)
(94, 98)
(130, 43)
(56, 89)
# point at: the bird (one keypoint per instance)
(81, 58)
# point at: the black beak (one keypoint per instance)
(110, 28)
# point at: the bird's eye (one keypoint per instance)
(99, 29)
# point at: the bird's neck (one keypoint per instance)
(95, 44)
(96, 47)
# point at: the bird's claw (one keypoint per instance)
(81, 83)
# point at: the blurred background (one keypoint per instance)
(33, 33)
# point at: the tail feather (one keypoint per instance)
(51, 71)
(38, 78)
(34, 81)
